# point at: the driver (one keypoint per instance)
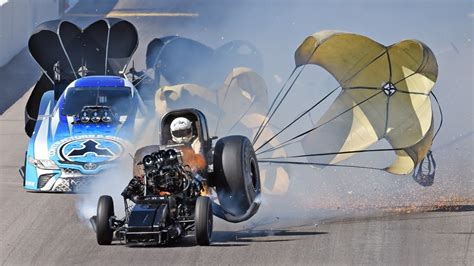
(182, 133)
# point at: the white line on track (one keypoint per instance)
(136, 14)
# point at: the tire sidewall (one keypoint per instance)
(203, 221)
(234, 163)
(105, 210)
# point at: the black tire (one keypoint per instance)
(203, 219)
(105, 210)
(236, 173)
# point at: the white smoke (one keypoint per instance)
(110, 182)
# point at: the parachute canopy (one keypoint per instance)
(66, 52)
(181, 60)
(63, 50)
(385, 95)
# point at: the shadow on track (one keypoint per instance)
(237, 239)
(220, 237)
(454, 208)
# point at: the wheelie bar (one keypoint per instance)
(226, 215)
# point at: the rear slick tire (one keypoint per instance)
(203, 221)
(105, 210)
(236, 174)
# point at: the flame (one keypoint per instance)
(197, 163)
(195, 160)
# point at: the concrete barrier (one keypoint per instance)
(18, 19)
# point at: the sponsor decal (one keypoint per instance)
(90, 166)
(91, 146)
(89, 151)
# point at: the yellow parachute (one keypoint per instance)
(385, 94)
(399, 79)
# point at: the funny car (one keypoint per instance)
(91, 125)
(84, 113)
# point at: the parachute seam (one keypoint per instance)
(417, 71)
(361, 88)
(440, 115)
(389, 65)
(414, 92)
(107, 47)
(386, 117)
(423, 64)
(65, 52)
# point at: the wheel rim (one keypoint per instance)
(253, 173)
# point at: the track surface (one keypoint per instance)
(45, 229)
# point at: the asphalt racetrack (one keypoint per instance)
(45, 228)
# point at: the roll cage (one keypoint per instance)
(199, 124)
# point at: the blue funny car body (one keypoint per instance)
(86, 131)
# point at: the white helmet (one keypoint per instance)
(181, 130)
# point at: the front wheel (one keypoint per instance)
(105, 210)
(203, 220)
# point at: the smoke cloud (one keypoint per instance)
(110, 182)
(314, 195)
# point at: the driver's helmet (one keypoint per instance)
(181, 130)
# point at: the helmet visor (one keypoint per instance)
(182, 133)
